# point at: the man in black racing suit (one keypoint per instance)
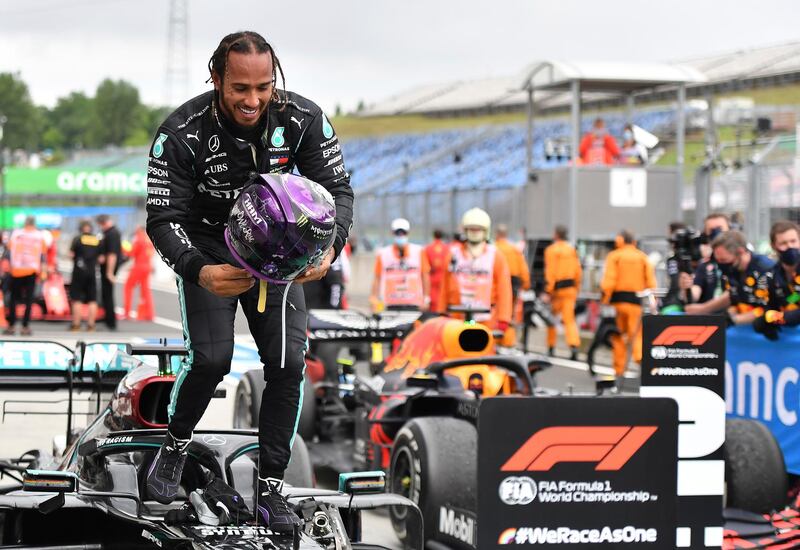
(202, 156)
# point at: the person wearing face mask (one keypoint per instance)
(598, 146)
(631, 152)
(402, 274)
(627, 271)
(744, 277)
(783, 306)
(479, 276)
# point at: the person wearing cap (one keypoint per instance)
(402, 273)
(27, 250)
(479, 276)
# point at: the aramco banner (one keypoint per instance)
(74, 181)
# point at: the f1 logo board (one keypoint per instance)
(585, 471)
(683, 357)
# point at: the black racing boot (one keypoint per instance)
(272, 508)
(164, 477)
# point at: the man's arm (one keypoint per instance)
(723, 301)
(171, 179)
(319, 158)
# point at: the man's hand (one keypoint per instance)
(762, 325)
(694, 309)
(111, 278)
(317, 273)
(225, 280)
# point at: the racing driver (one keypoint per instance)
(202, 157)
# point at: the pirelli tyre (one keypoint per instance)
(247, 403)
(300, 472)
(755, 473)
(434, 463)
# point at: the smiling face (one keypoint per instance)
(246, 87)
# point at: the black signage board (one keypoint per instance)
(594, 472)
(683, 358)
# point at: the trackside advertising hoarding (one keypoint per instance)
(589, 472)
(762, 382)
(74, 181)
(683, 357)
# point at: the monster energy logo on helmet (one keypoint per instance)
(327, 129)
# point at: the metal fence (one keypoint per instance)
(756, 189)
(430, 210)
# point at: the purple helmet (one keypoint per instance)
(281, 225)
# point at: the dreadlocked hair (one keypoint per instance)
(247, 42)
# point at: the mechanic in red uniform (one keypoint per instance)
(598, 146)
(438, 254)
(142, 254)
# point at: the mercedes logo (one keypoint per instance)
(214, 439)
(213, 143)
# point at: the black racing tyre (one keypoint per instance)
(755, 473)
(306, 426)
(434, 463)
(300, 472)
(247, 403)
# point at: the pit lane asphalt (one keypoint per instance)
(19, 433)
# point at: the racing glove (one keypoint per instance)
(769, 324)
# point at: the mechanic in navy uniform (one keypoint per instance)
(109, 260)
(84, 250)
(745, 278)
(202, 157)
(783, 306)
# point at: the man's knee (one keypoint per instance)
(214, 362)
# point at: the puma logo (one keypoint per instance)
(194, 135)
(299, 122)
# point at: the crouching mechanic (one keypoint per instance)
(479, 276)
(202, 157)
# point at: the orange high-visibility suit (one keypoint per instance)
(438, 254)
(627, 271)
(520, 273)
(142, 256)
(562, 276)
(401, 280)
(481, 282)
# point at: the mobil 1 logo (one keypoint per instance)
(683, 358)
(582, 471)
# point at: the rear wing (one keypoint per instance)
(51, 365)
(353, 326)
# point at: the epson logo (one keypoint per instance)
(459, 526)
(160, 172)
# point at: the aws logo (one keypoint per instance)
(611, 447)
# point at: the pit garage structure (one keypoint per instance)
(644, 199)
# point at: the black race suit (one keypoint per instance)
(199, 163)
